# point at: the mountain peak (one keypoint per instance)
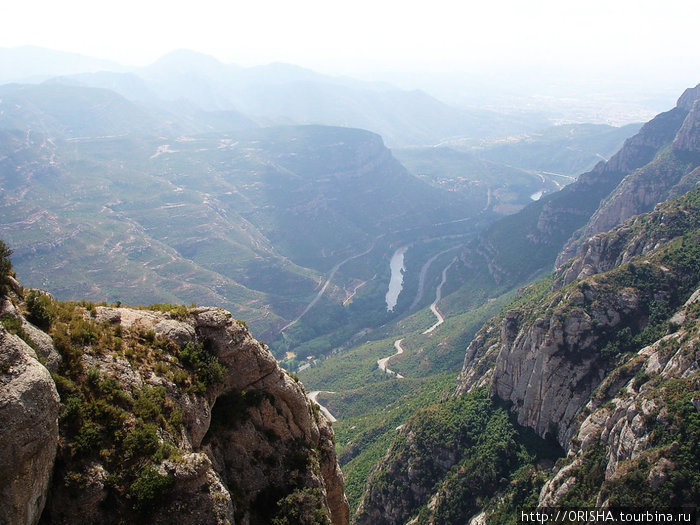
(190, 61)
(688, 98)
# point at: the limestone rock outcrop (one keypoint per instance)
(627, 417)
(226, 440)
(548, 366)
(29, 408)
(548, 357)
(688, 137)
(640, 235)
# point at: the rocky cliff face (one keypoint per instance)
(548, 365)
(167, 416)
(688, 137)
(640, 235)
(636, 430)
(546, 230)
(551, 351)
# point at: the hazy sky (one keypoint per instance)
(357, 35)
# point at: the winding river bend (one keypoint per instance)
(396, 282)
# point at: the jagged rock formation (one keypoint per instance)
(638, 236)
(670, 145)
(628, 424)
(660, 162)
(548, 365)
(167, 416)
(549, 353)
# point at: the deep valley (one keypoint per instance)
(268, 296)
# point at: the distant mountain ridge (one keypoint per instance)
(673, 150)
(36, 64)
(278, 94)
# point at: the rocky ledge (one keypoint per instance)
(167, 415)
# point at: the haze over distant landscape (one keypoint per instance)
(580, 62)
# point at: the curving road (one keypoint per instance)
(325, 285)
(381, 363)
(313, 397)
(423, 273)
(438, 296)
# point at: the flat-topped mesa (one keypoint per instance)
(224, 435)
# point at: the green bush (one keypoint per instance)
(40, 309)
(200, 359)
(88, 439)
(150, 403)
(302, 507)
(149, 488)
(142, 441)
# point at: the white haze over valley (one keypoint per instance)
(596, 61)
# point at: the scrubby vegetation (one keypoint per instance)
(467, 448)
(129, 429)
(302, 507)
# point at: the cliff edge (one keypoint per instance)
(167, 414)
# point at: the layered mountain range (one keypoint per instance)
(212, 96)
(194, 204)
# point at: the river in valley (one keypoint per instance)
(396, 283)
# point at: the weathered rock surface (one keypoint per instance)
(222, 473)
(624, 423)
(547, 366)
(546, 358)
(249, 459)
(688, 137)
(638, 236)
(552, 228)
(29, 407)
